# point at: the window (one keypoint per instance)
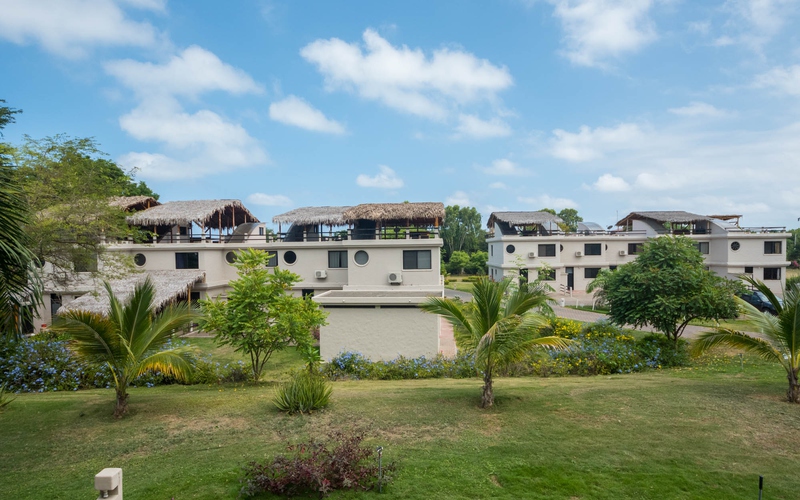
(416, 259)
(612, 268)
(511, 249)
(187, 260)
(85, 264)
(361, 258)
(748, 269)
(635, 248)
(273, 259)
(590, 272)
(547, 250)
(230, 257)
(523, 276)
(735, 246)
(290, 257)
(772, 273)
(702, 247)
(547, 274)
(491, 250)
(337, 259)
(139, 259)
(592, 249)
(772, 247)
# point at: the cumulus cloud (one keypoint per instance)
(297, 112)
(591, 144)
(406, 79)
(753, 23)
(459, 198)
(504, 166)
(598, 30)
(385, 179)
(498, 185)
(781, 79)
(270, 200)
(547, 201)
(473, 127)
(696, 109)
(608, 183)
(70, 28)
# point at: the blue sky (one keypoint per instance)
(606, 106)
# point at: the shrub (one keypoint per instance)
(316, 468)
(353, 365)
(207, 371)
(661, 352)
(304, 393)
(564, 328)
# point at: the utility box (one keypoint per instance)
(108, 482)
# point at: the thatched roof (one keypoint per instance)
(308, 216)
(523, 218)
(133, 203)
(414, 212)
(207, 213)
(676, 216)
(169, 285)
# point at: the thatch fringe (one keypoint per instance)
(413, 212)
(523, 218)
(206, 213)
(675, 216)
(133, 203)
(310, 216)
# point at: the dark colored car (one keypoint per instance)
(759, 301)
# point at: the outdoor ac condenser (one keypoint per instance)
(531, 255)
(579, 254)
(321, 274)
(396, 278)
(623, 253)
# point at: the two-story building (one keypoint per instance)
(534, 244)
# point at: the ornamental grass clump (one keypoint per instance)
(303, 393)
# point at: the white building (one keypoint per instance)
(534, 243)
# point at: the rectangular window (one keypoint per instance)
(592, 249)
(337, 259)
(772, 273)
(748, 270)
(590, 272)
(612, 268)
(187, 260)
(547, 274)
(702, 247)
(273, 259)
(772, 247)
(547, 250)
(85, 264)
(491, 249)
(635, 248)
(416, 259)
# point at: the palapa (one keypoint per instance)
(674, 217)
(430, 212)
(312, 216)
(523, 218)
(133, 203)
(216, 214)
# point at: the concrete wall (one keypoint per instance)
(379, 333)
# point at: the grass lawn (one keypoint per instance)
(706, 433)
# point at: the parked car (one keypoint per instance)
(759, 301)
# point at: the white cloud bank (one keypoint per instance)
(547, 201)
(608, 183)
(459, 198)
(385, 179)
(504, 166)
(298, 113)
(591, 144)
(700, 109)
(269, 200)
(783, 80)
(471, 126)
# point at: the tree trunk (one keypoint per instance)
(793, 394)
(122, 403)
(487, 399)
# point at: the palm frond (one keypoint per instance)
(163, 326)
(175, 363)
(93, 336)
(737, 340)
(134, 317)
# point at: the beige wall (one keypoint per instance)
(380, 333)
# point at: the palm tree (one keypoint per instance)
(496, 328)
(779, 335)
(130, 338)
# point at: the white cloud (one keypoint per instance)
(192, 72)
(608, 183)
(270, 200)
(406, 79)
(70, 28)
(385, 179)
(473, 127)
(547, 201)
(596, 30)
(504, 166)
(696, 108)
(660, 181)
(459, 198)
(785, 80)
(591, 144)
(297, 112)
(723, 41)
(498, 185)
(753, 23)
(157, 166)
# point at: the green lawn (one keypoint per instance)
(704, 433)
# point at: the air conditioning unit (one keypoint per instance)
(531, 255)
(623, 253)
(579, 254)
(396, 278)
(321, 274)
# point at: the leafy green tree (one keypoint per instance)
(20, 287)
(261, 316)
(458, 261)
(778, 336)
(478, 263)
(496, 328)
(571, 218)
(792, 247)
(461, 231)
(666, 287)
(130, 339)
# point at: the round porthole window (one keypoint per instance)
(290, 257)
(560, 248)
(361, 257)
(230, 257)
(139, 259)
(735, 246)
(510, 248)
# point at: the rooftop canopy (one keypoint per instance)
(133, 203)
(169, 285)
(677, 216)
(415, 213)
(523, 219)
(216, 214)
(308, 216)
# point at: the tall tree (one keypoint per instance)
(571, 218)
(462, 231)
(130, 339)
(778, 339)
(496, 328)
(666, 287)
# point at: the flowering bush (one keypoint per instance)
(564, 328)
(356, 366)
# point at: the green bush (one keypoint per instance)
(792, 282)
(353, 365)
(661, 352)
(207, 371)
(304, 393)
